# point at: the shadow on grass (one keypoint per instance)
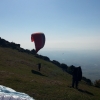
(84, 91)
(38, 73)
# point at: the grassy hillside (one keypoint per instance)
(19, 71)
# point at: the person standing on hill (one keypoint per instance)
(39, 66)
(77, 76)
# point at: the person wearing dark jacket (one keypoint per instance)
(77, 76)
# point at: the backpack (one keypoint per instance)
(79, 73)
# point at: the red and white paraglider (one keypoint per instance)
(39, 40)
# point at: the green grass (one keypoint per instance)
(19, 71)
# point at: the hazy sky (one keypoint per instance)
(67, 24)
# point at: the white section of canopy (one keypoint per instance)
(7, 93)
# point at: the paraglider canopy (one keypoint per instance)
(7, 93)
(39, 40)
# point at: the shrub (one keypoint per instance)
(97, 83)
(70, 69)
(88, 81)
(64, 67)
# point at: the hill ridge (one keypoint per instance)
(64, 67)
(19, 71)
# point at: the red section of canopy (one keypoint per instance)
(39, 40)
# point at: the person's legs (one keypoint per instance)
(77, 84)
